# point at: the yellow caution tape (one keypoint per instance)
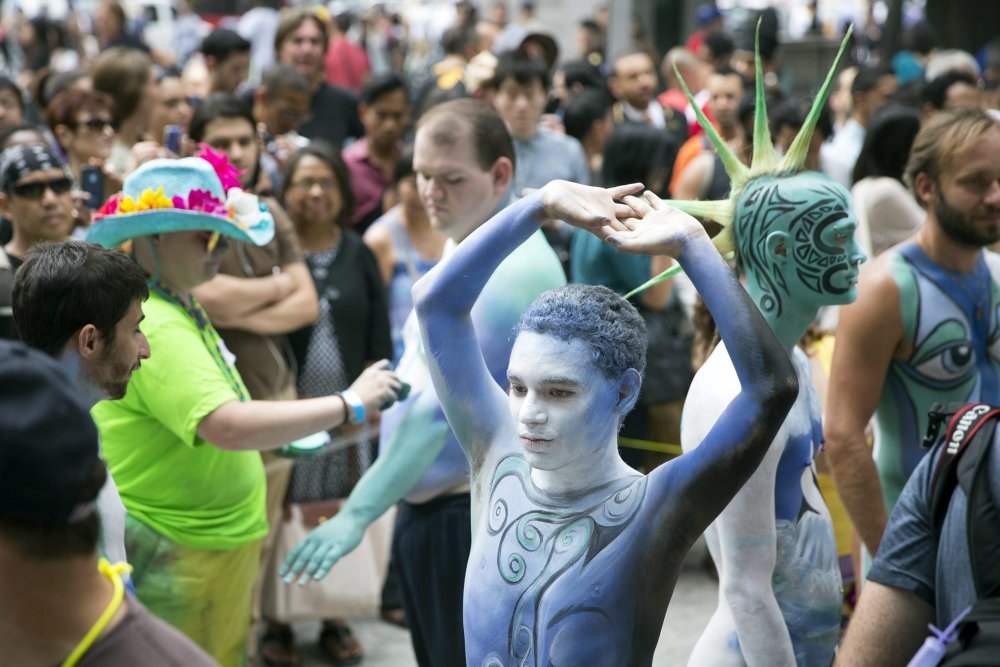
(660, 447)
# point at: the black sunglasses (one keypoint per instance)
(36, 190)
(98, 124)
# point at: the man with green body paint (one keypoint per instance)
(924, 329)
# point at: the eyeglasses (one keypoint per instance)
(308, 184)
(98, 124)
(36, 190)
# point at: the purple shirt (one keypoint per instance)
(367, 179)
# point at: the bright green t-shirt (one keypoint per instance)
(170, 479)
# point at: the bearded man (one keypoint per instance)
(925, 325)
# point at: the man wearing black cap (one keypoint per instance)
(35, 196)
(60, 603)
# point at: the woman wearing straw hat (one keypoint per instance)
(183, 445)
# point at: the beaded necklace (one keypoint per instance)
(208, 334)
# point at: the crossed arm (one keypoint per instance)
(271, 305)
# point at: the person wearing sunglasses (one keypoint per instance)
(82, 122)
(35, 197)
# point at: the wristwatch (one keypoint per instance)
(357, 413)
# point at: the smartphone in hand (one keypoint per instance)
(404, 391)
(172, 135)
(92, 182)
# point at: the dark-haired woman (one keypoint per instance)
(886, 211)
(352, 332)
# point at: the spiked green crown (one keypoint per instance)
(765, 158)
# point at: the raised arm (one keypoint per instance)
(475, 405)
(701, 483)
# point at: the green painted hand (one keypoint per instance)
(324, 546)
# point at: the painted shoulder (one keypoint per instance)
(531, 269)
(714, 386)
(893, 266)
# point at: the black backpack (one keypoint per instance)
(964, 462)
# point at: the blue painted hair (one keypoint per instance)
(608, 324)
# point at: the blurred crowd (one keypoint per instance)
(316, 107)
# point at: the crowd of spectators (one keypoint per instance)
(317, 111)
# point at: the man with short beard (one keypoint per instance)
(923, 328)
(82, 304)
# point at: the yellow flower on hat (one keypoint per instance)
(148, 201)
(126, 205)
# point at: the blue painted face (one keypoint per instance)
(804, 219)
(564, 408)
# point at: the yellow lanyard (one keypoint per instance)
(112, 572)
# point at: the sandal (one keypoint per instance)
(277, 647)
(339, 643)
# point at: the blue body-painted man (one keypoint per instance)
(464, 160)
(575, 554)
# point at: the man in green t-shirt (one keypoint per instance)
(183, 444)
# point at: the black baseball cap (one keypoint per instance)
(48, 442)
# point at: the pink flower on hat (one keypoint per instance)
(110, 207)
(202, 201)
(227, 173)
